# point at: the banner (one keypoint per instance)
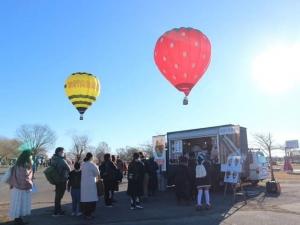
(229, 130)
(159, 151)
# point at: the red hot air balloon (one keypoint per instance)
(182, 55)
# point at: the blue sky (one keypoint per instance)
(43, 42)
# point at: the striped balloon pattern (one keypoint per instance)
(82, 90)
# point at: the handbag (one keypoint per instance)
(7, 175)
(200, 171)
(100, 187)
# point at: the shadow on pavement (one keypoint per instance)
(161, 209)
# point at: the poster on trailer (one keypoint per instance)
(233, 169)
(159, 150)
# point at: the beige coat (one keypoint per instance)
(89, 173)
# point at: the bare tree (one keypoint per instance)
(36, 137)
(101, 149)
(43, 153)
(266, 142)
(147, 148)
(8, 148)
(126, 153)
(80, 146)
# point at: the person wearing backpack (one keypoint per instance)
(108, 173)
(203, 181)
(62, 169)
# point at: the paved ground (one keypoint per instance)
(163, 210)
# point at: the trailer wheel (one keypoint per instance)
(254, 182)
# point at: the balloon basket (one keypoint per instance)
(185, 101)
(81, 117)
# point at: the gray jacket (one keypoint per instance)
(62, 167)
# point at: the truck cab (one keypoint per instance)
(258, 166)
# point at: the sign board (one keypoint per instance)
(234, 164)
(291, 144)
(231, 177)
(159, 151)
(233, 169)
(229, 130)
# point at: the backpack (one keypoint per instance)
(118, 175)
(108, 172)
(52, 175)
(200, 171)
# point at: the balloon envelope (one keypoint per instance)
(82, 90)
(182, 55)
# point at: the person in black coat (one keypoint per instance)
(108, 173)
(118, 177)
(182, 181)
(192, 163)
(203, 183)
(135, 178)
(153, 183)
(145, 183)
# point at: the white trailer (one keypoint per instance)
(217, 143)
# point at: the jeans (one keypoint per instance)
(60, 189)
(75, 193)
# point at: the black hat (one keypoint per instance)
(59, 149)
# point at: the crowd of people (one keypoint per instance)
(82, 180)
(86, 180)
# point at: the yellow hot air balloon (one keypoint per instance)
(82, 89)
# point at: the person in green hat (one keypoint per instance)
(21, 185)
